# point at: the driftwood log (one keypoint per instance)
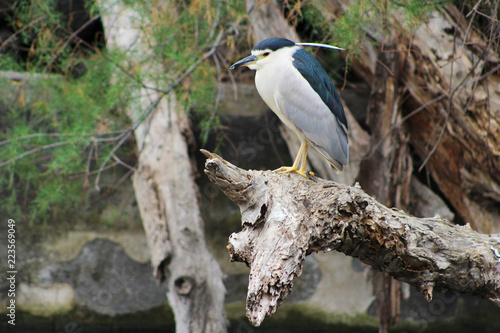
(286, 217)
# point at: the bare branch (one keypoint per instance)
(123, 163)
(33, 151)
(37, 135)
(124, 138)
(24, 27)
(286, 217)
(69, 39)
(155, 103)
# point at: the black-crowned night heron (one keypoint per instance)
(296, 87)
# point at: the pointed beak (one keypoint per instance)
(245, 62)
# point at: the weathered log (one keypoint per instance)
(286, 217)
(164, 185)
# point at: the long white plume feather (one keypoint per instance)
(320, 45)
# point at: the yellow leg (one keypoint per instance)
(300, 159)
(302, 169)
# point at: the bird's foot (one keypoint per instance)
(284, 169)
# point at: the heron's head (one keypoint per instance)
(268, 52)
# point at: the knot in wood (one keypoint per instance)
(184, 285)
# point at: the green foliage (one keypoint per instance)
(183, 32)
(52, 146)
(64, 130)
(40, 32)
(350, 30)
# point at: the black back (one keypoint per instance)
(313, 72)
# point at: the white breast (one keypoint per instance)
(292, 98)
(275, 77)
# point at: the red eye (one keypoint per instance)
(265, 54)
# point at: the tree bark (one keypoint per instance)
(165, 188)
(450, 76)
(386, 171)
(459, 128)
(286, 217)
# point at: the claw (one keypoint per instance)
(300, 159)
(284, 169)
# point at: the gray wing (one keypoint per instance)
(314, 120)
(311, 70)
(319, 117)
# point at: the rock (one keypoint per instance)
(106, 280)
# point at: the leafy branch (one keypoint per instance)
(80, 121)
(126, 135)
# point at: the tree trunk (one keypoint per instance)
(165, 189)
(386, 171)
(450, 77)
(286, 217)
(457, 133)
